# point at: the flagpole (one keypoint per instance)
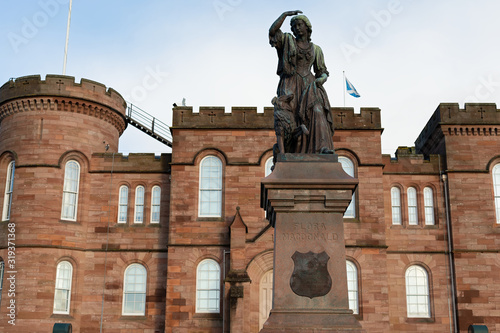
(67, 38)
(343, 83)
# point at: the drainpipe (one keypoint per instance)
(224, 290)
(451, 255)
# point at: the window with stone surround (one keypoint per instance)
(348, 167)
(208, 287)
(269, 165)
(412, 206)
(123, 204)
(396, 205)
(352, 286)
(62, 293)
(134, 290)
(155, 204)
(139, 204)
(496, 190)
(429, 206)
(9, 186)
(70, 190)
(210, 196)
(417, 292)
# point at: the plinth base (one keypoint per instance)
(311, 322)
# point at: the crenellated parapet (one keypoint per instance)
(408, 161)
(143, 163)
(474, 119)
(249, 118)
(346, 118)
(215, 117)
(62, 93)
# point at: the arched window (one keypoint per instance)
(208, 287)
(396, 205)
(417, 292)
(62, 294)
(2, 268)
(139, 204)
(429, 206)
(412, 206)
(9, 186)
(210, 187)
(134, 290)
(496, 189)
(348, 167)
(155, 204)
(123, 204)
(70, 190)
(352, 286)
(269, 165)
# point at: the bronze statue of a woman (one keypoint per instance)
(307, 99)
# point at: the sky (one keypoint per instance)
(403, 56)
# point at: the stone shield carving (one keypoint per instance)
(310, 277)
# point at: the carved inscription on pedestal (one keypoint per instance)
(310, 277)
(309, 231)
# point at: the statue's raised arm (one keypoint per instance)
(309, 126)
(279, 21)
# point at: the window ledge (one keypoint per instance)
(62, 316)
(420, 320)
(132, 317)
(214, 316)
(210, 219)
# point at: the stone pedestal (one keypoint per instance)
(305, 198)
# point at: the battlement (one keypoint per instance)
(131, 163)
(64, 86)
(408, 161)
(451, 114)
(345, 118)
(248, 118)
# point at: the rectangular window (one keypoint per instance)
(62, 294)
(70, 191)
(139, 204)
(412, 206)
(134, 291)
(9, 187)
(208, 287)
(396, 205)
(155, 204)
(210, 200)
(123, 204)
(429, 206)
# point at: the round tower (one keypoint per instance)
(41, 119)
(52, 197)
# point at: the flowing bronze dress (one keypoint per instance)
(310, 101)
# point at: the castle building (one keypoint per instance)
(179, 242)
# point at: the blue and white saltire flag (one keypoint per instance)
(350, 89)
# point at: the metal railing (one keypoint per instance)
(149, 124)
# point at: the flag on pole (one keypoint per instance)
(350, 89)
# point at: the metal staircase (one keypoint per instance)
(149, 124)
